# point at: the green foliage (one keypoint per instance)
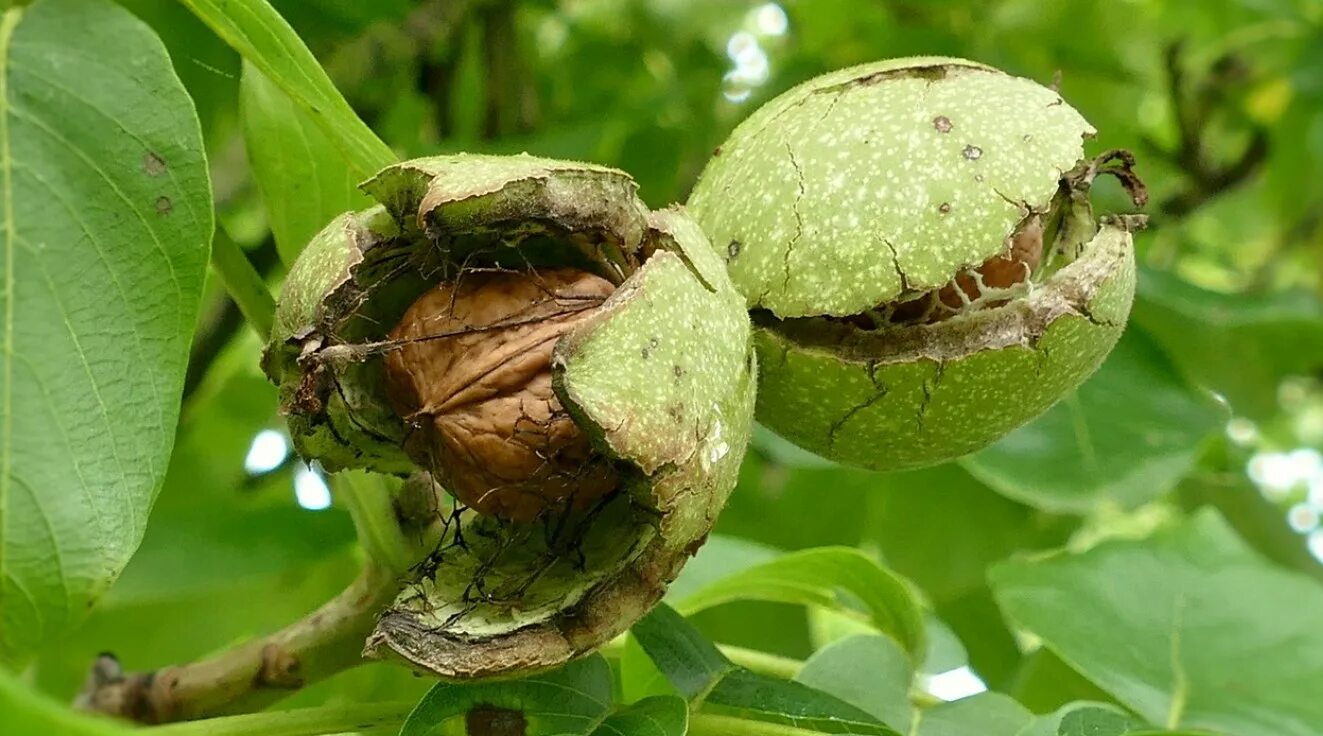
(264, 39)
(1123, 566)
(304, 179)
(106, 224)
(1192, 613)
(22, 711)
(837, 578)
(702, 674)
(572, 700)
(871, 673)
(1124, 439)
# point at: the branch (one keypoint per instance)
(243, 282)
(369, 717)
(224, 322)
(252, 675)
(329, 640)
(508, 104)
(1193, 107)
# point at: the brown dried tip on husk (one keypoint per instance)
(471, 376)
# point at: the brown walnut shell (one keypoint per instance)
(471, 377)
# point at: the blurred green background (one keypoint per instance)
(1212, 399)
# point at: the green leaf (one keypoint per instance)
(302, 175)
(225, 544)
(262, 37)
(1081, 719)
(832, 577)
(691, 663)
(1093, 721)
(871, 673)
(941, 528)
(662, 715)
(106, 225)
(700, 672)
(985, 714)
(362, 718)
(793, 507)
(574, 699)
(1173, 625)
(208, 68)
(719, 558)
(1240, 345)
(1125, 437)
(23, 711)
(1042, 683)
(753, 696)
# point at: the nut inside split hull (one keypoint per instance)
(991, 284)
(469, 371)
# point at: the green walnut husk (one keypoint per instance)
(850, 198)
(660, 378)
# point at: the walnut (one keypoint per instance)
(471, 376)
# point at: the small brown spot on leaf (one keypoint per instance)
(733, 249)
(164, 206)
(154, 165)
(944, 207)
(942, 123)
(716, 152)
(487, 720)
(972, 152)
(678, 370)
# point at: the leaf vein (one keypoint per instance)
(7, 26)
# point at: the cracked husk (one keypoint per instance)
(626, 377)
(915, 241)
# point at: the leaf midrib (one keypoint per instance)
(7, 25)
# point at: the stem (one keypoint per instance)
(243, 282)
(773, 665)
(708, 724)
(761, 662)
(222, 321)
(252, 675)
(301, 722)
(369, 502)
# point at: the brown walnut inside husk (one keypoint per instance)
(470, 374)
